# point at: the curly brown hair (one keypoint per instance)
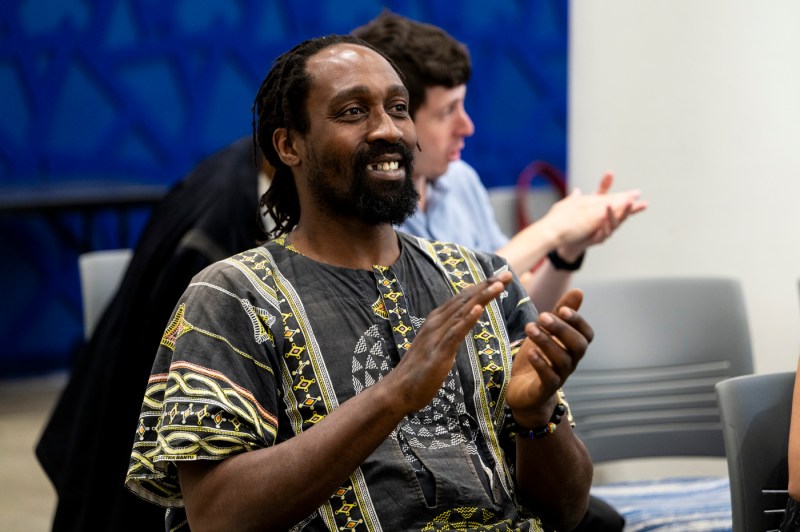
(426, 54)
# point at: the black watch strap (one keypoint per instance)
(560, 264)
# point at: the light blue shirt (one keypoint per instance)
(458, 210)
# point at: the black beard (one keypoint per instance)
(374, 202)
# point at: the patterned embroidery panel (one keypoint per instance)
(475, 519)
(195, 410)
(444, 421)
(312, 395)
(490, 353)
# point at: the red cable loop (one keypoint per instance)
(552, 175)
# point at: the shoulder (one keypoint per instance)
(463, 181)
(231, 172)
(445, 252)
(258, 261)
(460, 172)
(461, 167)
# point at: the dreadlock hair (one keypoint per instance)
(281, 103)
(426, 54)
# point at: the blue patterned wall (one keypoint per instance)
(139, 90)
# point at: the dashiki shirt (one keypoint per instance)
(265, 344)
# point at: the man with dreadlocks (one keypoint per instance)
(346, 376)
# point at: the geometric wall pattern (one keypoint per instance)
(139, 90)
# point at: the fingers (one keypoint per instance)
(457, 315)
(562, 338)
(420, 372)
(620, 200)
(613, 219)
(483, 292)
(550, 379)
(572, 299)
(605, 183)
(621, 210)
(638, 206)
(572, 321)
(595, 206)
(548, 358)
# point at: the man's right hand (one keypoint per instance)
(421, 371)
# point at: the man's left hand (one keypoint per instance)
(546, 359)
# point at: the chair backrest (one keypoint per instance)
(646, 386)
(756, 411)
(100, 274)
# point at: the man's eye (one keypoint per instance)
(352, 111)
(400, 108)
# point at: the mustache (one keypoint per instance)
(382, 147)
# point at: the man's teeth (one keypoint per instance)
(385, 166)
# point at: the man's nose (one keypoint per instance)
(465, 126)
(383, 127)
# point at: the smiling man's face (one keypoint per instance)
(358, 153)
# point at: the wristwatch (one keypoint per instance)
(560, 264)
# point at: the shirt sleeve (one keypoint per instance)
(212, 391)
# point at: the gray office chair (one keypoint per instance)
(100, 274)
(646, 386)
(645, 389)
(756, 411)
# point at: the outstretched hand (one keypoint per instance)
(546, 359)
(583, 220)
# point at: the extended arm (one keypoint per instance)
(273, 488)
(554, 473)
(794, 442)
(570, 226)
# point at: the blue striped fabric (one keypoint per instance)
(672, 504)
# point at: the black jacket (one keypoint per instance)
(85, 448)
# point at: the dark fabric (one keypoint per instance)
(600, 517)
(791, 517)
(85, 447)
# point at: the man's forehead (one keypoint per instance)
(342, 52)
(438, 96)
(350, 62)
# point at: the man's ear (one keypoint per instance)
(284, 145)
